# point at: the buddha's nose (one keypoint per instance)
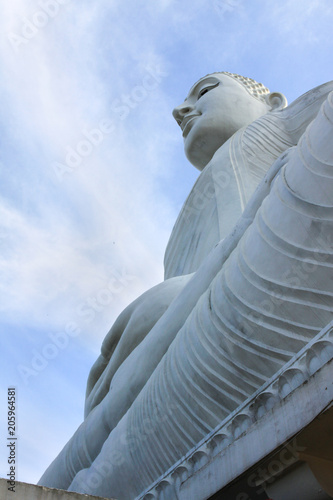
(180, 111)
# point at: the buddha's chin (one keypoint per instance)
(200, 149)
(198, 159)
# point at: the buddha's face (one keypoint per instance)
(215, 108)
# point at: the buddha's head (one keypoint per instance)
(216, 107)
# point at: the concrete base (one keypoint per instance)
(25, 491)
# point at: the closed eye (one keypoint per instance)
(206, 89)
(202, 92)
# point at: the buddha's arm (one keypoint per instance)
(138, 318)
(130, 328)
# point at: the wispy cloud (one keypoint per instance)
(55, 106)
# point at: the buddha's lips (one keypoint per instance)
(185, 124)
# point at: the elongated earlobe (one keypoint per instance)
(276, 100)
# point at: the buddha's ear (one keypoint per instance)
(276, 100)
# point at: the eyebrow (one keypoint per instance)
(211, 79)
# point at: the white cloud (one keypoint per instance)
(52, 110)
(296, 18)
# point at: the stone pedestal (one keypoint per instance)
(25, 491)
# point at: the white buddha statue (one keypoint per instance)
(217, 106)
(248, 283)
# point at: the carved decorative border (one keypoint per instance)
(295, 373)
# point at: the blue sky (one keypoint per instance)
(93, 173)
